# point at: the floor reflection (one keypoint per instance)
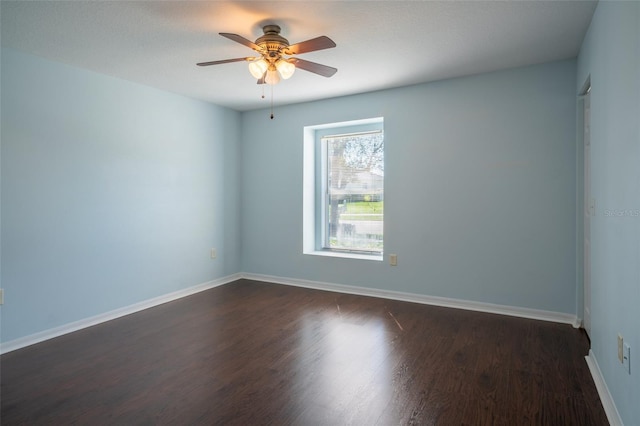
(347, 366)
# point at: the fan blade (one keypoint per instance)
(318, 43)
(313, 67)
(242, 40)
(224, 61)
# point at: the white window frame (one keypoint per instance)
(314, 217)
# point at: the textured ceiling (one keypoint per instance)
(380, 44)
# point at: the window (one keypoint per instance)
(344, 189)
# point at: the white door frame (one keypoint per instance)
(588, 209)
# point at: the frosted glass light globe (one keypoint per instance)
(286, 69)
(257, 68)
(272, 77)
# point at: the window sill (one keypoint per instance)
(346, 255)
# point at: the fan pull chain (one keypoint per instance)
(272, 102)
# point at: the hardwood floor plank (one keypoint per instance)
(252, 353)
(524, 393)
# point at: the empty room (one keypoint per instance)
(320, 212)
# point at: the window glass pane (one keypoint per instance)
(354, 196)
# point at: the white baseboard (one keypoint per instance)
(340, 288)
(513, 311)
(603, 391)
(32, 339)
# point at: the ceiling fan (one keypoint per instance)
(277, 57)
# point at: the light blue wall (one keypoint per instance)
(610, 55)
(112, 193)
(479, 189)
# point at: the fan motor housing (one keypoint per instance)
(272, 41)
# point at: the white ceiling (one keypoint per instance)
(380, 44)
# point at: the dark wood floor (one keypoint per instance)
(251, 353)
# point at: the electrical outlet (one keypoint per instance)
(214, 254)
(393, 259)
(620, 345)
(626, 360)
(1, 296)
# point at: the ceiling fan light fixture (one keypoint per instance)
(286, 69)
(271, 66)
(258, 67)
(272, 77)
